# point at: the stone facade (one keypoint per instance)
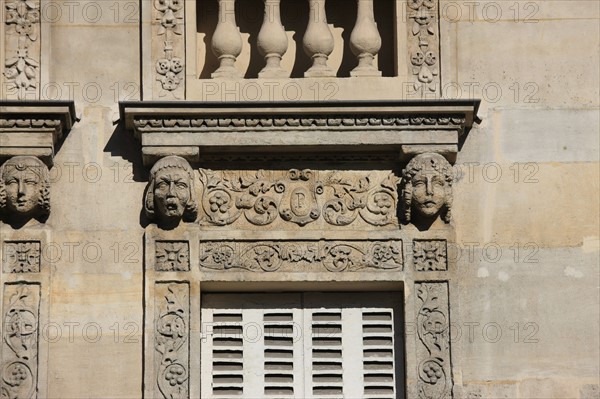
(443, 155)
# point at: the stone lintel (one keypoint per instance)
(195, 130)
(34, 128)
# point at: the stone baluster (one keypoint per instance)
(272, 42)
(365, 40)
(318, 40)
(227, 41)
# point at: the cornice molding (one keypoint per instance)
(34, 128)
(201, 130)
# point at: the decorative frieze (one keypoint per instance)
(21, 257)
(20, 333)
(172, 256)
(430, 255)
(433, 342)
(169, 64)
(302, 256)
(22, 48)
(298, 196)
(423, 43)
(171, 340)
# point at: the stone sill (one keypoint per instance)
(208, 130)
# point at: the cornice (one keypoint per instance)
(205, 130)
(34, 128)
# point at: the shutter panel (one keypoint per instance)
(312, 345)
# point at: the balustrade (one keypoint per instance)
(318, 41)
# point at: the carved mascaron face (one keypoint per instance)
(427, 188)
(169, 197)
(429, 192)
(171, 192)
(23, 181)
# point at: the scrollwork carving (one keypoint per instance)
(433, 333)
(20, 336)
(270, 256)
(171, 339)
(298, 196)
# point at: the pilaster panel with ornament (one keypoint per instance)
(423, 47)
(21, 257)
(22, 49)
(430, 255)
(20, 330)
(171, 340)
(168, 48)
(433, 341)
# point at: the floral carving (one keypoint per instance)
(270, 256)
(21, 257)
(433, 333)
(171, 339)
(170, 67)
(20, 336)
(423, 44)
(21, 66)
(172, 256)
(298, 196)
(430, 255)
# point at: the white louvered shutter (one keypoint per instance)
(310, 345)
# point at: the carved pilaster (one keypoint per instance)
(171, 340)
(168, 48)
(21, 66)
(433, 341)
(20, 333)
(423, 47)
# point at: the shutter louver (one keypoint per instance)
(261, 346)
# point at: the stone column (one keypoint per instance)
(272, 42)
(318, 40)
(227, 41)
(365, 40)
